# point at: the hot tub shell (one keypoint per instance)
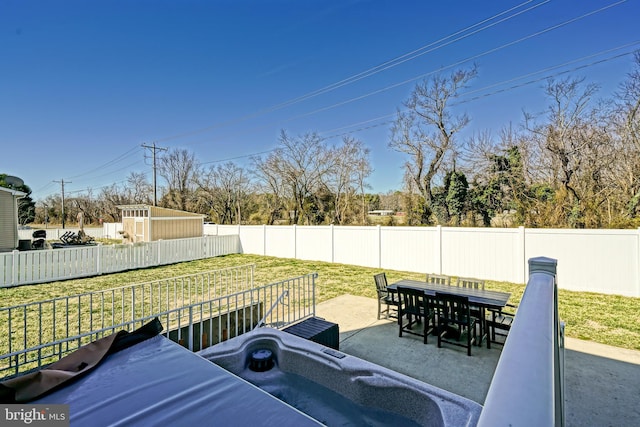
(360, 381)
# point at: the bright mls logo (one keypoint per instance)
(34, 415)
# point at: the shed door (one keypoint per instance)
(139, 230)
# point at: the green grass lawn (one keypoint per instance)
(606, 319)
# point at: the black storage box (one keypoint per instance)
(317, 330)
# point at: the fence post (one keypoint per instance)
(637, 293)
(295, 241)
(439, 247)
(379, 245)
(522, 246)
(264, 239)
(333, 243)
(128, 254)
(99, 260)
(14, 267)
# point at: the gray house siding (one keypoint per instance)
(9, 219)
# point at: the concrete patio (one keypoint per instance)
(602, 383)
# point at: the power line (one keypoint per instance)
(600, 61)
(371, 71)
(127, 166)
(568, 63)
(100, 176)
(543, 78)
(304, 97)
(107, 164)
(95, 188)
(374, 120)
(417, 77)
(463, 61)
(388, 116)
(239, 157)
(47, 185)
(458, 63)
(408, 55)
(413, 54)
(99, 187)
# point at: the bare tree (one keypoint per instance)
(574, 147)
(629, 95)
(426, 131)
(346, 177)
(626, 123)
(297, 167)
(271, 186)
(111, 197)
(138, 189)
(87, 206)
(363, 171)
(223, 193)
(178, 168)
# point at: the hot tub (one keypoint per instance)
(335, 388)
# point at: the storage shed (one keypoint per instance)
(9, 218)
(146, 223)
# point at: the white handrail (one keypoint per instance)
(527, 387)
(263, 321)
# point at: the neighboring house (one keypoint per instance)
(9, 218)
(146, 223)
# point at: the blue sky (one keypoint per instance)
(83, 84)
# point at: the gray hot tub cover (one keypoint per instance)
(160, 383)
(71, 367)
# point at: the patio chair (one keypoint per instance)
(454, 318)
(416, 307)
(439, 279)
(499, 324)
(477, 312)
(468, 282)
(385, 297)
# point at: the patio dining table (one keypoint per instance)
(482, 298)
(479, 297)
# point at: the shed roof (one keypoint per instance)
(158, 212)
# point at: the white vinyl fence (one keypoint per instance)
(40, 266)
(604, 261)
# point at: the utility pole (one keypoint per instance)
(62, 185)
(46, 215)
(153, 149)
